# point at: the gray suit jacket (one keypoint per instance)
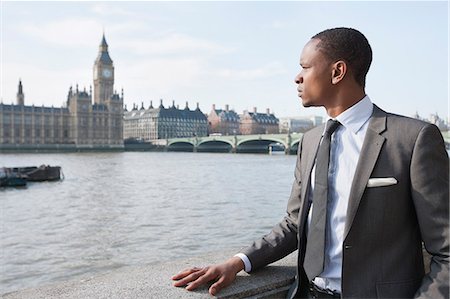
(385, 226)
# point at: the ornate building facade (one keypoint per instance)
(162, 123)
(299, 124)
(223, 121)
(258, 123)
(85, 122)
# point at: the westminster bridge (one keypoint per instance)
(260, 143)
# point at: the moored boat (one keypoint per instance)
(11, 179)
(40, 174)
(19, 176)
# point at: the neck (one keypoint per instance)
(343, 101)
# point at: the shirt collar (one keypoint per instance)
(356, 116)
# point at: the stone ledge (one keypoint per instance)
(153, 281)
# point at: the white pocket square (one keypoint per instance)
(380, 182)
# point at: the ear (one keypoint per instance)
(339, 70)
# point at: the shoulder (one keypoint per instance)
(403, 132)
(402, 125)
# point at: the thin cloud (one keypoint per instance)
(160, 75)
(268, 70)
(42, 85)
(277, 24)
(174, 43)
(81, 32)
(77, 32)
(110, 10)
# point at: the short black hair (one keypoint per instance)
(350, 45)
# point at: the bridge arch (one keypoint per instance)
(263, 139)
(294, 147)
(222, 140)
(259, 145)
(180, 146)
(215, 146)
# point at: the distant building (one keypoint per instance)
(417, 116)
(32, 125)
(294, 125)
(317, 120)
(80, 124)
(299, 124)
(434, 119)
(439, 122)
(163, 123)
(258, 123)
(224, 122)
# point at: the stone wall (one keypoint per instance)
(153, 281)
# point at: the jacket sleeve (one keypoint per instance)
(430, 192)
(282, 240)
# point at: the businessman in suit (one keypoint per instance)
(370, 189)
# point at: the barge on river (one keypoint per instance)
(19, 176)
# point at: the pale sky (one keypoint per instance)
(245, 54)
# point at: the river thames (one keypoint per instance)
(134, 208)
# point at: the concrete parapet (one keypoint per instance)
(153, 281)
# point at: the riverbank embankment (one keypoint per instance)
(153, 281)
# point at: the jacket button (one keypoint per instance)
(347, 246)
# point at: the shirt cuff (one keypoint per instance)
(247, 263)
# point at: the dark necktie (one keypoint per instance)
(315, 244)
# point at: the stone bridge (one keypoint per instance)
(237, 143)
(261, 143)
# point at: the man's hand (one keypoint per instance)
(224, 274)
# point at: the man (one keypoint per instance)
(370, 188)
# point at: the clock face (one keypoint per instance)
(106, 73)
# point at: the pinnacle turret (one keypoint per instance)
(20, 95)
(104, 44)
(103, 55)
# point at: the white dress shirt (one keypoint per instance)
(346, 143)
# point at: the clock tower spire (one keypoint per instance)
(103, 74)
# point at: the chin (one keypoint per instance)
(306, 103)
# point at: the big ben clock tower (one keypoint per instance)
(103, 75)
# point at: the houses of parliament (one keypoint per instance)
(95, 119)
(89, 120)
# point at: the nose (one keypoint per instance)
(299, 78)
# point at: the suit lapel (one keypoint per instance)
(370, 151)
(308, 152)
(309, 155)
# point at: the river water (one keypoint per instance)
(134, 208)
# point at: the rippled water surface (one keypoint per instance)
(121, 209)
